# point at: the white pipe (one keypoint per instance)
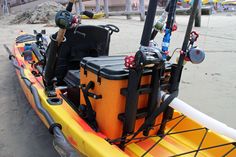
(202, 118)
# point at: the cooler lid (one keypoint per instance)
(109, 67)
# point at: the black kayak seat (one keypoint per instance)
(83, 41)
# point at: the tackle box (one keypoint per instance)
(110, 77)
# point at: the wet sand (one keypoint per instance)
(209, 87)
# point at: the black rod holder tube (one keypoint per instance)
(52, 52)
(154, 96)
(169, 24)
(131, 105)
(147, 30)
(177, 77)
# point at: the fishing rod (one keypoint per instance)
(64, 20)
(176, 78)
(152, 57)
(147, 30)
(143, 57)
(171, 8)
(168, 29)
(154, 97)
(193, 54)
(160, 22)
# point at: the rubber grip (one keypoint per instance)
(69, 6)
(89, 14)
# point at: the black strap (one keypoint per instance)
(86, 94)
(161, 109)
(11, 56)
(91, 114)
(156, 113)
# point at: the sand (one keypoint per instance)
(209, 87)
(41, 14)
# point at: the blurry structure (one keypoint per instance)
(6, 7)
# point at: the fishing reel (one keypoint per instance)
(143, 59)
(64, 19)
(193, 37)
(194, 54)
(147, 56)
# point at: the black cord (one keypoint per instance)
(141, 138)
(163, 136)
(227, 153)
(206, 148)
(169, 58)
(199, 147)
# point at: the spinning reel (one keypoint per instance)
(194, 54)
(145, 57)
(64, 19)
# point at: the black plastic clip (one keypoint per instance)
(52, 126)
(85, 89)
(11, 56)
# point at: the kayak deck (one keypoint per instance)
(183, 137)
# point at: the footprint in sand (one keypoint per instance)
(1, 146)
(215, 74)
(185, 82)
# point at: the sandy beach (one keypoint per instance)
(210, 87)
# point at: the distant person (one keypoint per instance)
(6, 7)
(9, 7)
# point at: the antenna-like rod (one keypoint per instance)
(177, 77)
(147, 30)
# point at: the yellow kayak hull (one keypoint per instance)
(95, 16)
(187, 136)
